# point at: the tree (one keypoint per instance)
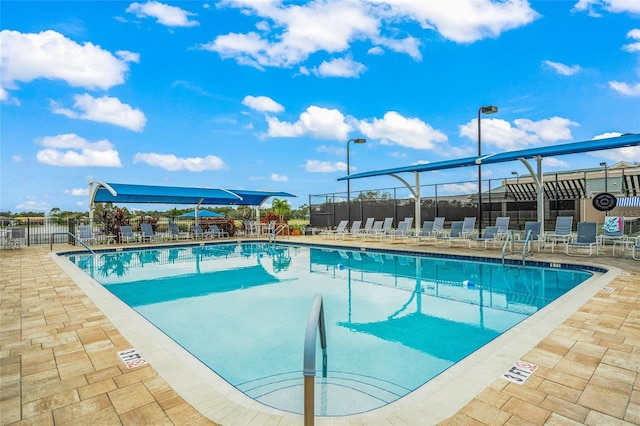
(281, 208)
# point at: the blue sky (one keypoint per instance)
(264, 95)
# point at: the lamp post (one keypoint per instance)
(606, 176)
(358, 141)
(482, 110)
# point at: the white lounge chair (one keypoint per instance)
(340, 229)
(147, 233)
(85, 234)
(127, 235)
(489, 235)
(586, 239)
(563, 232)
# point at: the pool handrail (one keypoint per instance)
(71, 235)
(507, 239)
(315, 323)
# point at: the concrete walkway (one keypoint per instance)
(59, 363)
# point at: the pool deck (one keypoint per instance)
(59, 338)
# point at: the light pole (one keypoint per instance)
(482, 110)
(358, 141)
(606, 176)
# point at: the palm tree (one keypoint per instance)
(281, 208)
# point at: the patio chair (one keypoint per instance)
(16, 237)
(563, 232)
(147, 233)
(403, 231)
(376, 230)
(426, 233)
(367, 226)
(409, 222)
(489, 235)
(635, 250)
(502, 223)
(531, 230)
(175, 233)
(386, 227)
(127, 235)
(199, 233)
(468, 227)
(613, 230)
(340, 229)
(455, 233)
(85, 234)
(586, 238)
(438, 226)
(353, 232)
(217, 232)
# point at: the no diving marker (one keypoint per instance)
(520, 372)
(132, 358)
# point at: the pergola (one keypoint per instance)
(522, 155)
(103, 192)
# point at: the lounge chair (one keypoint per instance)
(217, 232)
(147, 233)
(353, 232)
(85, 234)
(340, 229)
(502, 223)
(438, 226)
(199, 233)
(468, 227)
(387, 227)
(489, 235)
(175, 233)
(16, 238)
(403, 231)
(563, 232)
(455, 234)
(376, 230)
(426, 233)
(532, 232)
(127, 235)
(613, 231)
(367, 226)
(586, 238)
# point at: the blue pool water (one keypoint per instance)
(393, 321)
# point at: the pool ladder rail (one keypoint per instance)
(315, 324)
(72, 236)
(273, 234)
(509, 239)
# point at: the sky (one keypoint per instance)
(266, 94)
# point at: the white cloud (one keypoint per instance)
(376, 50)
(607, 135)
(614, 6)
(627, 153)
(394, 129)
(104, 110)
(500, 134)
(315, 166)
(633, 47)
(625, 88)
(343, 67)
(78, 192)
(171, 16)
(458, 188)
(563, 69)
(71, 150)
(333, 150)
(172, 163)
(321, 123)
(33, 206)
(279, 178)
(554, 162)
(290, 32)
(50, 55)
(16, 159)
(398, 154)
(262, 104)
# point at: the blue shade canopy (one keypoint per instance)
(201, 213)
(102, 192)
(503, 157)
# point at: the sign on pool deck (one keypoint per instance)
(520, 372)
(132, 358)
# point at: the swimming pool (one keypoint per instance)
(387, 315)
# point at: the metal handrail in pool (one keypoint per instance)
(70, 234)
(316, 318)
(508, 238)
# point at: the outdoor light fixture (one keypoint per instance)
(491, 109)
(606, 177)
(358, 141)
